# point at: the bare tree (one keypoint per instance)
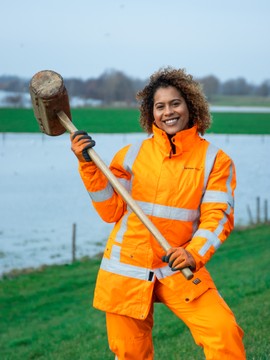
(14, 100)
(236, 87)
(116, 87)
(263, 89)
(211, 85)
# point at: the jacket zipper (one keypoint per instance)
(172, 151)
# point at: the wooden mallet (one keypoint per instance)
(51, 108)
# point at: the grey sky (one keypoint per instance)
(84, 38)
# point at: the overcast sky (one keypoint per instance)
(83, 38)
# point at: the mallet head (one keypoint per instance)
(49, 96)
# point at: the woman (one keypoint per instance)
(186, 187)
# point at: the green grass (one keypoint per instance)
(99, 120)
(240, 123)
(47, 314)
(94, 120)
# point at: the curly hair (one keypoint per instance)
(189, 89)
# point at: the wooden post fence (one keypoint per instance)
(259, 219)
(74, 227)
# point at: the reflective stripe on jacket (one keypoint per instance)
(187, 190)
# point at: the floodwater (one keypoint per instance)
(42, 195)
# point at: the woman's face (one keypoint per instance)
(170, 110)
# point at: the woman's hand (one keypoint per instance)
(179, 258)
(80, 142)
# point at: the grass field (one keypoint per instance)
(47, 314)
(99, 120)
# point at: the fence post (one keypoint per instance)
(250, 215)
(74, 242)
(265, 211)
(258, 210)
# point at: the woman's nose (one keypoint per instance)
(168, 110)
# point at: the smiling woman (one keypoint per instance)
(183, 87)
(170, 110)
(185, 185)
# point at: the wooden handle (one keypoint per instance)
(120, 189)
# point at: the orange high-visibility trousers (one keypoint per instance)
(208, 317)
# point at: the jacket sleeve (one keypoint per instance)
(216, 211)
(105, 200)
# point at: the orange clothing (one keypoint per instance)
(213, 327)
(186, 187)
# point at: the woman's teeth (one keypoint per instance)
(171, 122)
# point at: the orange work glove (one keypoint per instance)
(80, 142)
(179, 258)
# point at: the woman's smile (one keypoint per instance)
(170, 110)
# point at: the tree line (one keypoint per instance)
(114, 86)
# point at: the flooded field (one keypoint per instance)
(42, 196)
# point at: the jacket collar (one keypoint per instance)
(183, 140)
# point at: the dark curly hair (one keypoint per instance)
(189, 89)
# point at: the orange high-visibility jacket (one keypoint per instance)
(187, 190)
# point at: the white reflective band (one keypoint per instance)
(229, 187)
(163, 272)
(126, 183)
(168, 212)
(102, 195)
(113, 265)
(220, 226)
(218, 197)
(107, 193)
(212, 240)
(127, 270)
(123, 228)
(209, 162)
(131, 155)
